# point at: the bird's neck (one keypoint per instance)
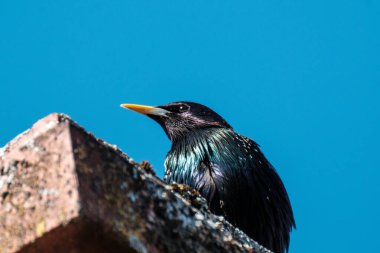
(202, 138)
(196, 145)
(187, 153)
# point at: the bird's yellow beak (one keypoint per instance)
(145, 109)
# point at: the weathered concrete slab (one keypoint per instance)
(63, 190)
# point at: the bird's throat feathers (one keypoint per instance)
(208, 144)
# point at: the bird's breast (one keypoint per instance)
(202, 159)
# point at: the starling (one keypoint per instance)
(228, 170)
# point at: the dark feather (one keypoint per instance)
(231, 172)
(228, 169)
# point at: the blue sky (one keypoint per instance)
(302, 79)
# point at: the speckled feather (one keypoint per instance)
(231, 172)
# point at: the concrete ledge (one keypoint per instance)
(63, 190)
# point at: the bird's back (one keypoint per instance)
(231, 172)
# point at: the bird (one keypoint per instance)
(228, 169)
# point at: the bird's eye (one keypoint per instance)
(183, 108)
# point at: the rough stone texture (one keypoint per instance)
(63, 190)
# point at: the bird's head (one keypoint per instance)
(180, 118)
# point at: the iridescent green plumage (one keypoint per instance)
(229, 170)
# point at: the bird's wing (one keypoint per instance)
(245, 186)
